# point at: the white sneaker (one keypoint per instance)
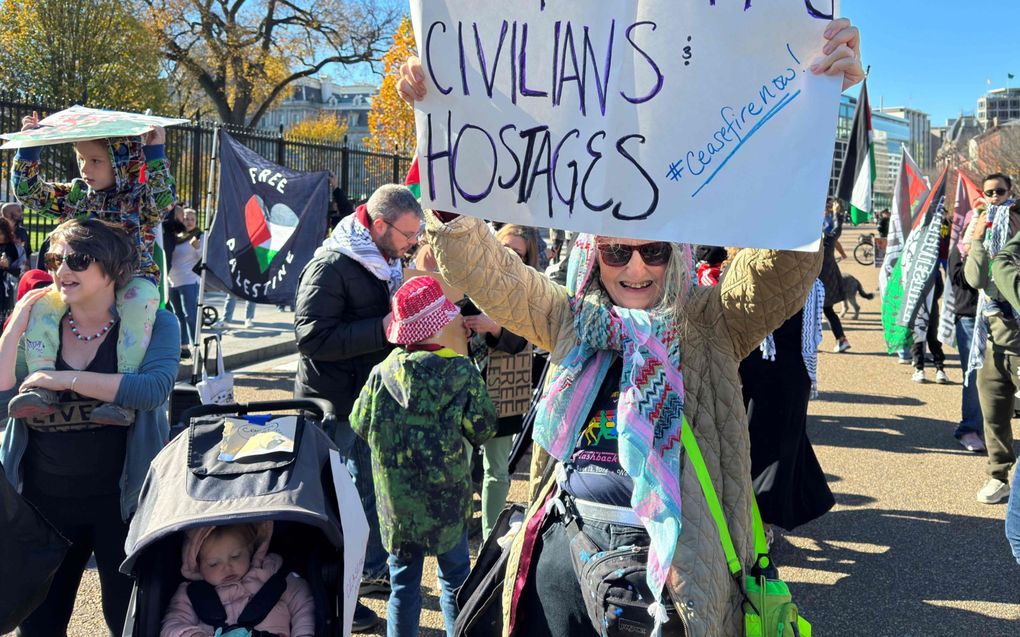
(904, 361)
(994, 492)
(918, 376)
(841, 346)
(249, 323)
(941, 378)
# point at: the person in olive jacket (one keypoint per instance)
(341, 313)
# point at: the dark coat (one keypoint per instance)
(966, 296)
(830, 275)
(790, 484)
(338, 325)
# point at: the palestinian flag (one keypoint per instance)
(857, 175)
(269, 233)
(413, 181)
(911, 189)
(914, 273)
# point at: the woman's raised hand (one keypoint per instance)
(842, 52)
(411, 85)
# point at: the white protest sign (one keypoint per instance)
(694, 121)
(355, 528)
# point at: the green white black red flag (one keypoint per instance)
(857, 174)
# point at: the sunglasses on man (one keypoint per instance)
(992, 192)
(617, 255)
(76, 261)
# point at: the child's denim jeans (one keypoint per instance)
(403, 611)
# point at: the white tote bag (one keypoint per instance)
(217, 389)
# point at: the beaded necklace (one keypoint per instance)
(74, 329)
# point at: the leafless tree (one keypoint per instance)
(244, 54)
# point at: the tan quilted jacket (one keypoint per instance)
(760, 291)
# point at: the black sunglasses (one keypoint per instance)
(995, 191)
(617, 255)
(76, 261)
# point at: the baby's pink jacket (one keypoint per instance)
(293, 615)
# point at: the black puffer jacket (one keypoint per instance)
(338, 324)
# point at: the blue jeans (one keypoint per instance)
(1013, 519)
(231, 303)
(971, 420)
(184, 300)
(358, 458)
(403, 612)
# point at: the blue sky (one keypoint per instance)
(932, 55)
(936, 55)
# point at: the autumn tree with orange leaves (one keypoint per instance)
(324, 129)
(391, 120)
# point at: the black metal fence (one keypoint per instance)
(189, 148)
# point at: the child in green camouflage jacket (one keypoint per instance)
(415, 411)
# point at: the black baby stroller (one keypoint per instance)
(188, 486)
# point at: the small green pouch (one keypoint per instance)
(769, 610)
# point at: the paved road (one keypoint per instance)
(906, 551)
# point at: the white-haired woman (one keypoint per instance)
(637, 355)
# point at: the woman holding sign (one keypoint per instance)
(638, 355)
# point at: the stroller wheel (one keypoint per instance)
(209, 316)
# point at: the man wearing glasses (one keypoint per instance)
(340, 318)
(997, 377)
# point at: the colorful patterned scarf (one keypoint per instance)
(351, 238)
(994, 240)
(650, 408)
(810, 335)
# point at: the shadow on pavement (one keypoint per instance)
(893, 433)
(929, 567)
(263, 380)
(868, 399)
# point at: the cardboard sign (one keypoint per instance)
(508, 378)
(694, 121)
(452, 335)
(355, 528)
(79, 124)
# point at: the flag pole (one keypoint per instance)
(212, 200)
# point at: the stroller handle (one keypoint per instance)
(320, 406)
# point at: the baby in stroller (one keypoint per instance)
(237, 588)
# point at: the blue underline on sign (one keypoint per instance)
(780, 105)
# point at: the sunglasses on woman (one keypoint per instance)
(617, 255)
(991, 192)
(76, 261)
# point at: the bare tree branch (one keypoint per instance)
(245, 53)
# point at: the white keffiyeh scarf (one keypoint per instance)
(994, 241)
(810, 335)
(351, 238)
